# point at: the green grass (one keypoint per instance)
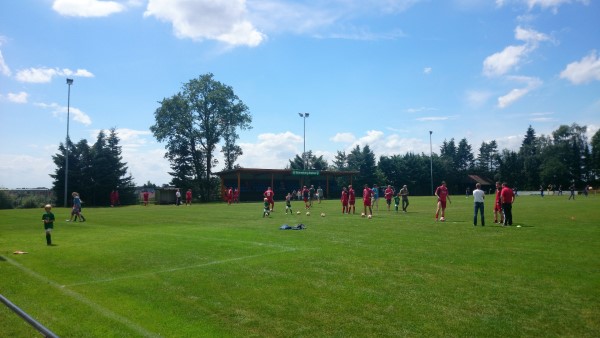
(214, 270)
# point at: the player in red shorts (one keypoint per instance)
(306, 197)
(229, 196)
(344, 200)
(442, 194)
(269, 194)
(498, 205)
(388, 194)
(188, 197)
(351, 199)
(367, 197)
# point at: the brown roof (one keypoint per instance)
(480, 180)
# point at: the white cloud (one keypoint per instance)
(552, 4)
(25, 171)
(514, 95)
(87, 8)
(420, 109)
(388, 145)
(224, 21)
(45, 75)
(435, 118)
(511, 57)
(20, 97)
(4, 69)
(502, 62)
(271, 151)
(61, 112)
(427, 70)
(343, 138)
(584, 71)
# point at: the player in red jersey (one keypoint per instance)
(269, 194)
(367, 198)
(351, 199)
(388, 194)
(507, 197)
(498, 205)
(188, 197)
(344, 200)
(442, 195)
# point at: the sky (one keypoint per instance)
(382, 73)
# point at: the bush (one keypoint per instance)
(5, 200)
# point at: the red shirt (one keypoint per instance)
(388, 193)
(269, 194)
(351, 196)
(507, 195)
(344, 197)
(441, 192)
(367, 194)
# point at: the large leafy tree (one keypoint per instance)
(192, 123)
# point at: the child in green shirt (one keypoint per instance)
(266, 209)
(48, 218)
(396, 201)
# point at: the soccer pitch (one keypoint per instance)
(212, 270)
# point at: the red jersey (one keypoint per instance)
(441, 192)
(188, 195)
(351, 195)
(269, 194)
(507, 195)
(367, 194)
(388, 193)
(344, 198)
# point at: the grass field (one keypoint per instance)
(212, 270)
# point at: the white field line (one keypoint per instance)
(98, 308)
(105, 280)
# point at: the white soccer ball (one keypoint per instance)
(442, 219)
(297, 212)
(322, 214)
(369, 217)
(308, 213)
(362, 214)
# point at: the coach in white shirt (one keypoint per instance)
(478, 197)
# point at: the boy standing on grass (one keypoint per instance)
(266, 207)
(397, 201)
(48, 218)
(388, 194)
(351, 199)
(344, 200)
(288, 204)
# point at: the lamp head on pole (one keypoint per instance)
(430, 132)
(69, 81)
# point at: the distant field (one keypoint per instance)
(212, 270)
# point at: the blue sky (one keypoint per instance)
(376, 72)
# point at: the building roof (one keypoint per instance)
(480, 180)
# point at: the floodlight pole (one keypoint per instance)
(69, 83)
(431, 160)
(304, 116)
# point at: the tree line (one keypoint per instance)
(207, 114)
(561, 159)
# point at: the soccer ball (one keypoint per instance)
(297, 212)
(308, 213)
(369, 217)
(322, 214)
(362, 214)
(442, 219)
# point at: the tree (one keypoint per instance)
(529, 154)
(595, 155)
(312, 162)
(94, 171)
(193, 122)
(464, 158)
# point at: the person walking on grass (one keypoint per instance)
(478, 197)
(76, 211)
(396, 201)
(368, 197)
(344, 200)
(404, 194)
(442, 196)
(572, 188)
(48, 219)
(388, 194)
(351, 199)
